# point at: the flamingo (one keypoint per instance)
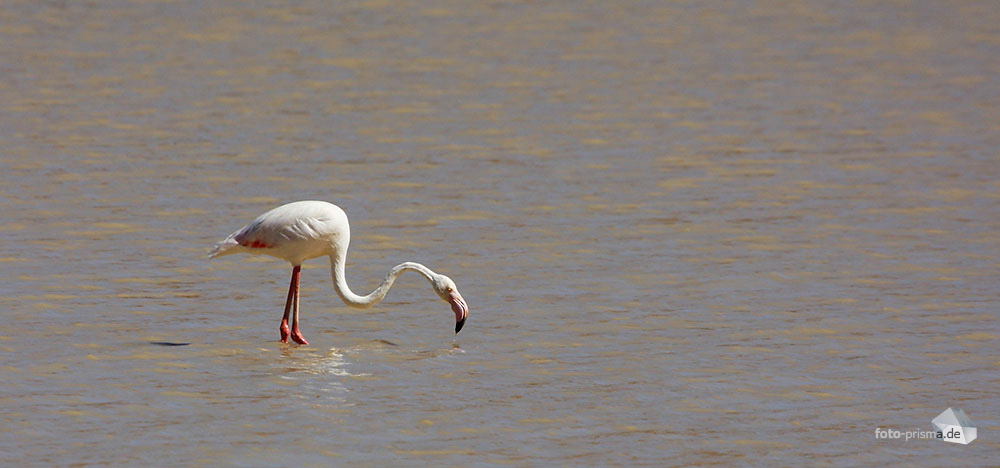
(299, 231)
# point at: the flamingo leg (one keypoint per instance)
(296, 334)
(293, 293)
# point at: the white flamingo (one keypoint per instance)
(302, 230)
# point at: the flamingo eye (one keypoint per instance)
(451, 289)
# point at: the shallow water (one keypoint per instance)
(688, 235)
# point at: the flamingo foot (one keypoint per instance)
(298, 338)
(284, 331)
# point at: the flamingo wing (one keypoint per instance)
(295, 232)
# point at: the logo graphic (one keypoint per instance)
(953, 425)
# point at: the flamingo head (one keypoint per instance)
(446, 288)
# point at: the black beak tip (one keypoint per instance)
(458, 325)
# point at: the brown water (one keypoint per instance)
(690, 233)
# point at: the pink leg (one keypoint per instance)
(293, 293)
(296, 334)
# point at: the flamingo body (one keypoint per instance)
(294, 232)
(299, 231)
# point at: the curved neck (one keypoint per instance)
(337, 266)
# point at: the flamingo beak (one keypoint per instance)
(460, 308)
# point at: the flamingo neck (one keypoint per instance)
(337, 266)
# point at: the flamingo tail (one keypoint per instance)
(226, 247)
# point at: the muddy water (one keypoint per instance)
(689, 234)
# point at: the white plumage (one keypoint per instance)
(294, 232)
(302, 230)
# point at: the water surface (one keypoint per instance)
(690, 234)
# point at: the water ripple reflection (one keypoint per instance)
(691, 233)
